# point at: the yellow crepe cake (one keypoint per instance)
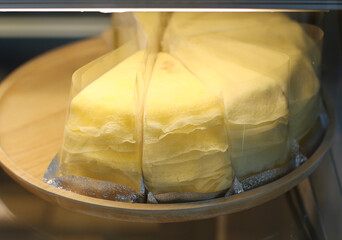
(225, 94)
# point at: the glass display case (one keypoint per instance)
(270, 70)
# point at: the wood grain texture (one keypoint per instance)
(33, 104)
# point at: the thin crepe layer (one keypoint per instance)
(209, 173)
(258, 147)
(106, 165)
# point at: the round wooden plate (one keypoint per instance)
(33, 103)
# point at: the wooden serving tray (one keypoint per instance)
(33, 106)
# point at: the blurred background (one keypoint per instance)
(26, 35)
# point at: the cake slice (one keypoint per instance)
(256, 109)
(100, 138)
(185, 141)
(288, 37)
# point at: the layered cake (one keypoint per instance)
(222, 96)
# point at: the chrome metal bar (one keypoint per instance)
(173, 4)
